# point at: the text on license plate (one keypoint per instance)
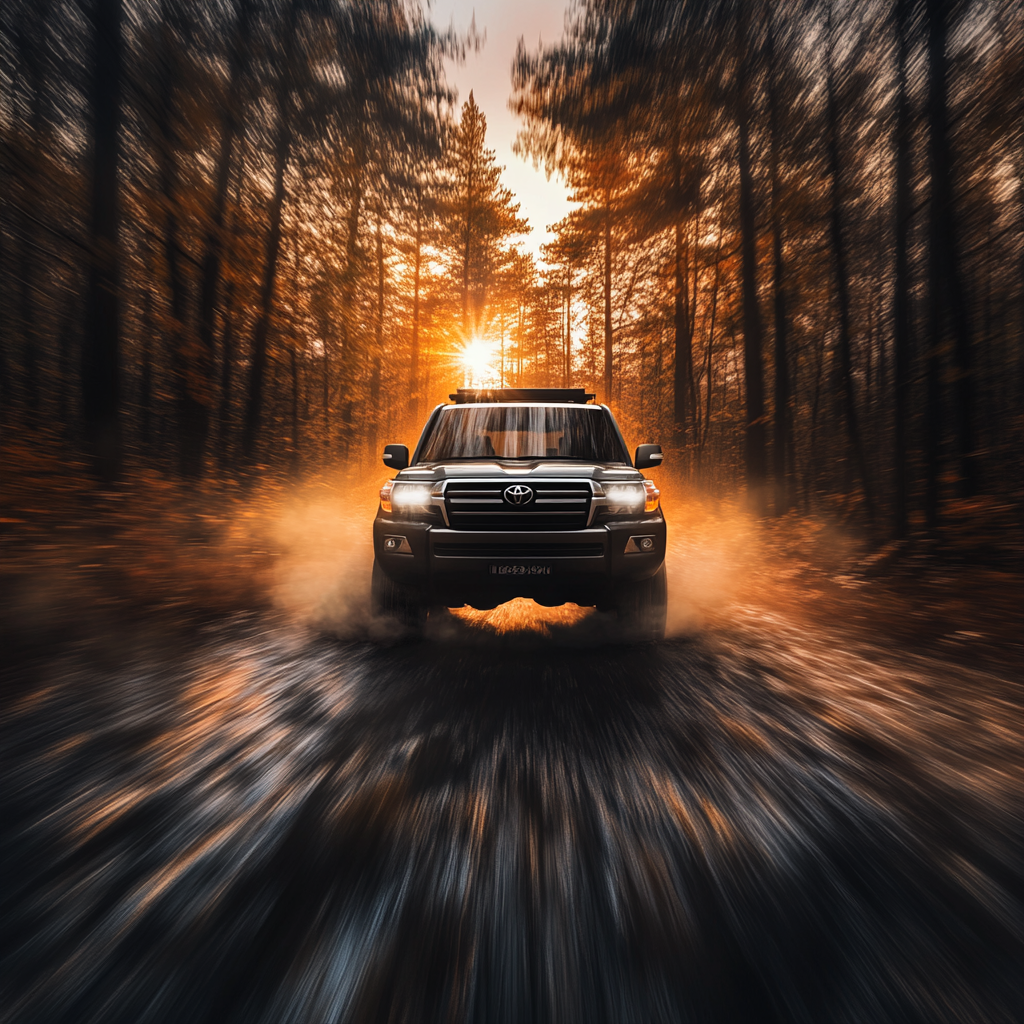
(520, 570)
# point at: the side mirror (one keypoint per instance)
(396, 456)
(647, 455)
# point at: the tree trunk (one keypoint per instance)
(327, 393)
(753, 369)
(349, 354)
(214, 243)
(781, 448)
(282, 153)
(101, 384)
(227, 362)
(467, 241)
(293, 353)
(683, 344)
(191, 371)
(67, 327)
(519, 343)
(945, 274)
(294, 360)
(710, 366)
(842, 282)
(378, 346)
(607, 299)
(691, 322)
(227, 347)
(146, 373)
(414, 355)
(5, 386)
(901, 289)
(568, 328)
(32, 41)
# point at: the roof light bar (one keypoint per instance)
(473, 396)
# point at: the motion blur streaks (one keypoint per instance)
(502, 824)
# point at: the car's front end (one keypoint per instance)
(519, 499)
(482, 534)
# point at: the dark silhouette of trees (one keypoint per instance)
(755, 452)
(945, 282)
(101, 349)
(842, 275)
(214, 242)
(283, 134)
(901, 320)
(782, 446)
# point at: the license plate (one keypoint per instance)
(520, 570)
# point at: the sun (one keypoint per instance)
(478, 359)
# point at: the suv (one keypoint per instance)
(521, 493)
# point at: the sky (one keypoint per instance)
(488, 75)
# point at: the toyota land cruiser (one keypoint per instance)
(521, 493)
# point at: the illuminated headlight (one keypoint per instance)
(410, 496)
(624, 497)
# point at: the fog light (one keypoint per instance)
(639, 545)
(397, 546)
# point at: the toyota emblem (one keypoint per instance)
(518, 494)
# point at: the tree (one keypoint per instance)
(842, 280)
(754, 448)
(481, 213)
(901, 283)
(101, 379)
(283, 136)
(213, 244)
(782, 447)
(945, 283)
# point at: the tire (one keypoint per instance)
(394, 601)
(643, 607)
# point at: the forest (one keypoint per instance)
(243, 238)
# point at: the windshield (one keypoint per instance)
(523, 432)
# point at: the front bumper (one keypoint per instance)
(456, 567)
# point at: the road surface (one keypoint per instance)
(253, 820)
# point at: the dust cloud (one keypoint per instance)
(324, 552)
(322, 536)
(303, 550)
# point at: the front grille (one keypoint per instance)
(518, 550)
(481, 505)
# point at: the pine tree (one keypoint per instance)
(481, 214)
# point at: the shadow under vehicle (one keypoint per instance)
(521, 492)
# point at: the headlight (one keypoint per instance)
(624, 497)
(410, 497)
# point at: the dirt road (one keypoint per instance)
(255, 821)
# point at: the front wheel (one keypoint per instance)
(642, 607)
(394, 601)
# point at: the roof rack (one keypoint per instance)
(473, 396)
